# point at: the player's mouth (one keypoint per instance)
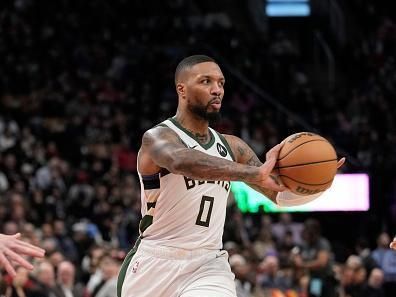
(216, 104)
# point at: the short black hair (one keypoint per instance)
(190, 62)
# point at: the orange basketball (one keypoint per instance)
(307, 163)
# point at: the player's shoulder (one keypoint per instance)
(233, 141)
(231, 138)
(233, 144)
(159, 132)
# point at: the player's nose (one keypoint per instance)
(216, 90)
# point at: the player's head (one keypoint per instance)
(200, 86)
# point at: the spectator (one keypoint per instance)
(374, 285)
(384, 257)
(285, 225)
(315, 257)
(65, 284)
(271, 277)
(109, 267)
(44, 277)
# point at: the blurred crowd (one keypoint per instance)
(81, 80)
(291, 259)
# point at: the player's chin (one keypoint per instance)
(213, 116)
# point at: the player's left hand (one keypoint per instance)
(340, 162)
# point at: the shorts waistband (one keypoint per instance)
(172, 252)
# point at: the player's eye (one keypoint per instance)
(205, 81)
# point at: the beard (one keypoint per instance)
(202, 112)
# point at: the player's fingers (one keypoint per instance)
(280, 186)
(17, 235)
(274, 151)
(268, 166)
(7, 265)
(18, 259)
(28, 249)
(37, 250)
(340, 162)
(277, 187)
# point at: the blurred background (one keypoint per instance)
(80, 81)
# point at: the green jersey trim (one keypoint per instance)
(204, 146)
(124, 266)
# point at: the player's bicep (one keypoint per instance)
(243, 153)
(161, 145)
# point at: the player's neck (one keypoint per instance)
(195, 125)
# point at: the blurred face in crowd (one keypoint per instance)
(270, 265)
(383, 240)
(22, 276)
(376, 278)
(201, 89)
(109, 267)
(59, 228)
(46, 274)
(311, 231)
(66, 273)
(96, 254)
(56, 258)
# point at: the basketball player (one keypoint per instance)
(12, 249)
(185, 169)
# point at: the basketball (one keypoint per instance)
(307, 163)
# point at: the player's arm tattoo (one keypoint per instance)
(167, 150)
(245, 155)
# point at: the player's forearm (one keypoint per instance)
(198, 165)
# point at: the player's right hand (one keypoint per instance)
(267, 179)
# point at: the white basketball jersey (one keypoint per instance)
(182, 212)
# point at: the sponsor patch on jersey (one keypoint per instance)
(221, 149)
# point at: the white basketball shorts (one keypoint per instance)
(150, 271)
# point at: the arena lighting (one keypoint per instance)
(287, 8)
(349, 192)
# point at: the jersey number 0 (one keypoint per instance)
(205, 211)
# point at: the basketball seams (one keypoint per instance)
(303, 164)
(288, 153)
(297, 181)
(308, 165)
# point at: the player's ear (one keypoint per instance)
(181, 90)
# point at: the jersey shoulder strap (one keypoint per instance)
(224, 141)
